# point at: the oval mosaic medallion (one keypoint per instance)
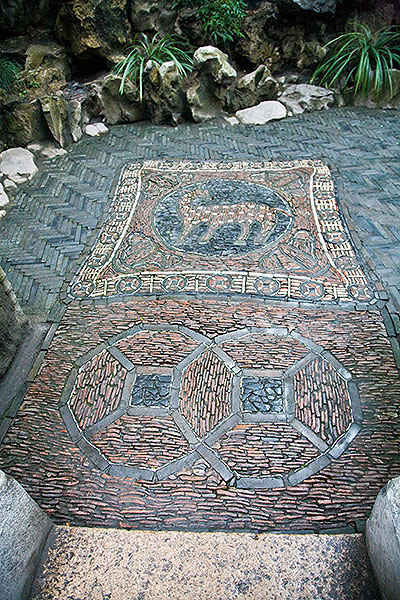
(222, 217)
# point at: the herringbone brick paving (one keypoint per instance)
(55, 215)
(138, 470)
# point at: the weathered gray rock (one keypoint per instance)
(24, 123)
(317, 6)
(24, 529)
(253, 88)
(383, 539)
(55, 110)
(45, 56)
(165, 98)
(13, 324)
(203, 105)
(213, 61)
(152, 15)
(287, 79)
(110, 104)
(206, 93)
(304, 97)
(262, 113)
(46, 150)
(76, 119)
(94, 28)
(17, 164)
(232, 120)
(9, 185)
(4, 199)
(95, 129)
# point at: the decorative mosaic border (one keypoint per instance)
(331, 233)
(203, 447)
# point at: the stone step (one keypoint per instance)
(110, 564)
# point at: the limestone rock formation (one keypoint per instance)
(48, 55)
(17, 16)
(317, 6)
(24, 122)
(261, 113)
(304, 97)
(55, 110)
(152, 15)
(110, 104)
(207, 92)
(257, 46)
(281, 40)
(203, 104)
(214, 62)
(165, 98)
(253, 88)
(17, 164)
(93, 29)
(42, 82)
(77, 119)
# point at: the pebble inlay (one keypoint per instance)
(181, 405)
(261, 394)
(324, 403)
(262, 229)
(151, 390)
(89, 402)
(205, 397)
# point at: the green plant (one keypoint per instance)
(157, 50)
(9, 70)
(361, 59)
(221, 19)
(32, 83)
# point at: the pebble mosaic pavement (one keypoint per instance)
(220, 358)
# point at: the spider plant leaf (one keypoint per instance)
(365, 57)
(157, 50)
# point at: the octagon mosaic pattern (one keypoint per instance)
(207, 394)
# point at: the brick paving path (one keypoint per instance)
(273, 407)
(56, 214)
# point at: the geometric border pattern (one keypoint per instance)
(202, 447)
(354, 287)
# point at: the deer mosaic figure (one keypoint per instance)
(214, 215)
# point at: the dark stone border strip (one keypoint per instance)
(260, 483)
(310, 435)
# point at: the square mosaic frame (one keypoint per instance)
(130, 258)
